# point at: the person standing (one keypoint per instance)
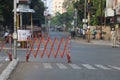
(113, 37)
(88, 34)
(6, 36)
(83, 32)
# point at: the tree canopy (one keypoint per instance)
(96, 12)
(6, 11)
(65, 18)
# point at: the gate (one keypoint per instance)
(55, 47)
(50, 46)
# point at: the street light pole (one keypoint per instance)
(85, 13)
(45, 13)
(75, 17)
(88, 14)
(15, 31)
(101, 20)
(31, 24)
(85, 9)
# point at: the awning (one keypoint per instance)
(24, 8)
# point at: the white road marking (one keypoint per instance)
(114, 67)
(74, 66)
(88, 66)
(47, 66)
(102, 67)
(21, 48)
(61, 66)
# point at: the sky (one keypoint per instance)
(49, 5)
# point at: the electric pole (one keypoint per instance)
(89, 12)
(75, 17)
(85, 19)
(101, 20)
(85, 9)
(15, 31)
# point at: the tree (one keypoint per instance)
(6, 11)
(6, 8)
(95, 10)
(39, 8)
(98, 11)
(64, 18)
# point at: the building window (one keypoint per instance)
(59, 6)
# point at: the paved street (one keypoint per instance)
(89, 62)
(59, 39)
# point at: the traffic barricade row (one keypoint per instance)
(50, 47)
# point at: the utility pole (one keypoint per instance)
(85, 19)
(89, 13)
(75, 17)
(31, 19)
(88, 29)
(49, 17)
(85, 9)
(46, 13)
(101, 20)
(15, 31)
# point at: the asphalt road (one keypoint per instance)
(89, 62)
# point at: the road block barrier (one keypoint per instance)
(8, 42)
(62, 46)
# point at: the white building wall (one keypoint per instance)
(57, 6)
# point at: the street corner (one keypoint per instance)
(7, 68)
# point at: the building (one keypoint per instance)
(58, 6)
(113, 10)
(111, 6)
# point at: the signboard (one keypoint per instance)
(118, 19)
(45, 12)
(111, 6)
(118, 9)
(84, 26)
(85, 20)
(109, 3)
(14, 35)
(23, 35)
(109, 12)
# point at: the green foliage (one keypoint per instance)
(6, 11)
(6, 7)
(39, 8)
(97, 9)
(65, 18)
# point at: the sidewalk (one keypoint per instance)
(95, 42)
(3, 65)
(7, 68)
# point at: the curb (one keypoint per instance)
(6, 73)
(95, 43)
